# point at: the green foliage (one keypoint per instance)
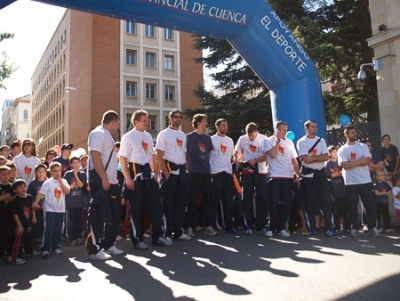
(334, 33)
(6, 68)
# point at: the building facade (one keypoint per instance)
(95, 63)
(20, 127)
(386, 44)
(6, 120)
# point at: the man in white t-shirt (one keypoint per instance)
(250, 154)
(141, 190)
(171, 157)
(314, 153)
(354, 157)
(221, 174)
(104, 213)
(282, 165)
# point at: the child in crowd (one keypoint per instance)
(382, 191)
(337, 188)
(75, 201)
(6, 196)
(23, 218)
(33, 190)
(13, 168)
(396, 194)
(3, 160)
(53, 190)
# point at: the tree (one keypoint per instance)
(5, 67)
(333, 32)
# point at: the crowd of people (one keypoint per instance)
(186, 183)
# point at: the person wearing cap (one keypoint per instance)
(63, 159)
(5, 151)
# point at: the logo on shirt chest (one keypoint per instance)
(314, 152)
(179, 143)
(223, 149)
(353, 156)
(145, 146)
(202, 147)
(253, 148)
(57, 194)
(28, 171)
(281, 150)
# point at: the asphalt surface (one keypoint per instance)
(223, 267)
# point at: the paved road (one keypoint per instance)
(225, 267)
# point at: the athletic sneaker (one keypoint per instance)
(141, 246)
(75, 243)
(312, 233)
(210, 231)
(45, 254)
(373, 232)
(167, 238)
(19, 261)
(353, 233)
(163, 241)
(100, 255)
(234, 231)
(283, 233)
(388, 231)
(249, 232)
(331, 233)
(113, 250)
(184, 237)
(269, 233)
(189, 232)
(57, 251)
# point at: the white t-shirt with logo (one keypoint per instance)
(26, 167)
(281, 165)
(220, 156)
(137, 147)
(354, 152)
(54, 197)
(303, 146)
(100, 140)
(173, 143)
(252, 149)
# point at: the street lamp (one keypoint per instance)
(67, 89)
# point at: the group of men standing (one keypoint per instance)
(196, 164)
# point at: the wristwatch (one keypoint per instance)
(278, 140)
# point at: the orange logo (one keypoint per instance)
(202, 147)
(353, 156)
(145, 146)
(179, 142)
(57, 194)
(253, 148)
(281, 150)
(223, 149)
(28, 171)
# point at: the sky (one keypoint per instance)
(33, 25)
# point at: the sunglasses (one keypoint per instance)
(27, 144)
(177, 117)
(51, 154)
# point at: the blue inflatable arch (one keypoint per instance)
(253, 28)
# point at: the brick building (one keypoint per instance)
(95, 63)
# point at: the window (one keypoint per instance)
(130, 27)
(128, 125)
(169, 93)
(150, 32)
(130, 89)
(168, 34)
(150, 91)
(130, 57)
(152, 123)
(168, 62)
(25, 115)
(150, 60)
(166, 121)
